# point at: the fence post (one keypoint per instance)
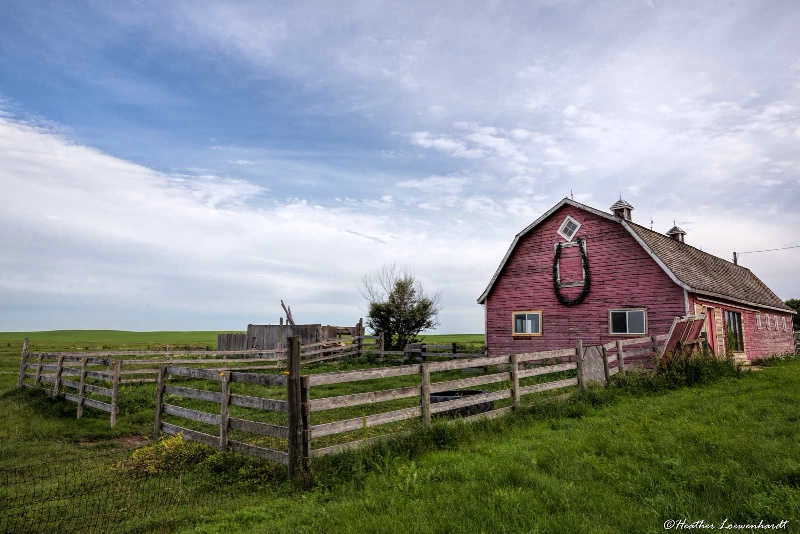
(115, 392)
(454, 348)
(606, 370)
(514, 381)
(381, 342)
(425, 394)
(223, 410)
(579, 361)
(38, 380)
(360, 334)
(293, 398)
(59, 370)
(23, 364)
(162, 372)
(82, 387)
(305, 409)
(620, 357)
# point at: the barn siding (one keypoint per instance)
(622, 275)
(758, 343)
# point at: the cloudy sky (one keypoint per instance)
(185, 165)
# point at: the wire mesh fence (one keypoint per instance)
(81, 495)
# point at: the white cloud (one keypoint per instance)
(109, 243)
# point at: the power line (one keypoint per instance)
(769, 250)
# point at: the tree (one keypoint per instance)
(399, 305)
(795, 303)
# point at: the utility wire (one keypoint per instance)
(769, 249)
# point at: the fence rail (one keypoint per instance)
(600, 363)
(225, 398)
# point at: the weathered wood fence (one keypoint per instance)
(225, 398)
(297, 435)
(99, 375)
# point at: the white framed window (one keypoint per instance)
(784, 324)
(526, 323)
(776, 324)
(569, 228)
(625, 322)
(758, 321)
(769, 325)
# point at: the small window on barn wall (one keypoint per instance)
(776, 324)
(526, 323)
(758, 321)
(569, 228)
(784, 324)
(622, 322)
(769, 326)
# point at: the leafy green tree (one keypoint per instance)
(795, 303)
(399, 306)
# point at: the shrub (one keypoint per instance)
(678, 369)
(776, 359)
(168, 455)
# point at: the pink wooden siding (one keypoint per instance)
(758, 343)
(570, 264)
(622, 275)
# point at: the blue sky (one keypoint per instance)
(186, 165)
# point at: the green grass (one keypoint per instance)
(726, 450)
(622, 459)
(34, 427)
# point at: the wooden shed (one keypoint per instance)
(578, 272)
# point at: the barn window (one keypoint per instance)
(627, 321)
(769, 325)
(784, 324)
(776, 324)
(569, 228)
(527, 323)
(758, 321)
(734, 331)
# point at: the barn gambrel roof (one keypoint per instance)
(689, 267)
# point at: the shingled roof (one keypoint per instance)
(705, 273)
(691, 268)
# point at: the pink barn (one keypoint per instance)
(578, 272)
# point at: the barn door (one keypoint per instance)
(710, 328)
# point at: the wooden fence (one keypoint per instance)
(590, 363)
(225, 398)
(100, 374)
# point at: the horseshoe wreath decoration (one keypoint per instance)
(586, 279)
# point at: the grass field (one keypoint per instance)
(609, 460)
